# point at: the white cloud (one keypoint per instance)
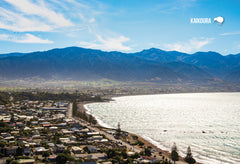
(16, 22)
(169, 7)
(27, 38)
(231, 33)
(92, 20)
(29, 16)
(41, 10)
(108, 44)
(194, 44)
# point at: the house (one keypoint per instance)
(92, 149)
(20, 124)
(59, 148)
(51, 145)
(39, 128)
(52, 158)
(10, 151)
(71, 143)
(27, 151)
(62, 124)
(130, 153)
(76, 150)
(99, 156)
(64, 140)
(14, 132)
(34, 122)
(46, 125)
(73, 138)
(4, 135)
(92, 133)
(60, 104)
(42, 123)
(75, 130)
(103, 140)
(53, 128)
(146, 159)
(86, 130)
(36, 137)
(32, 144)
(11, 138)
(108, 162)
(27, 128)
(64, 131)
(40, 150)
(96, 138)
(26, 161)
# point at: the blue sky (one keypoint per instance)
(119, 25)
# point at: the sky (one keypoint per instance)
(119, 25)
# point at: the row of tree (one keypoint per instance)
(44, 96)
(175, 157)
(82, 114)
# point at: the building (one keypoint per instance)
(76, 150)
(10, 151)
(59, 148)
(26, 161)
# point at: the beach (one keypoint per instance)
(147, 142)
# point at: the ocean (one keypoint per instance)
(207, 122)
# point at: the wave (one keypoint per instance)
(100, 122)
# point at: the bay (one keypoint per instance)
(208, 122)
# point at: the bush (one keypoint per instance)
(9, 160)
(61, 158)
(85, 149)
(140, 143)
(111, 153)
(135, 137)
(22, 157)
(45, 161)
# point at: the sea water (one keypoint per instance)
(207, 122)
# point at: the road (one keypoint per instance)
(69, 110)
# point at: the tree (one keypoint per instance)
(19, 151)
(61, 158)
(46, 154)
(92, 120)
(74, 108)
(111, 153)
(174, 153)
(9, 160)
(45, 145)
(2, 144)
(118, 131)
(147, 152)
(85, 149)
(56, 139)
(12, 118)
(124, 154)
(189, 159)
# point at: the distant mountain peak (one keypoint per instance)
(89, 64)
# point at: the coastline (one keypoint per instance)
(147, 142)
(203, 159)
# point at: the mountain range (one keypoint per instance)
(75, 63)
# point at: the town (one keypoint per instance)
(50, 131)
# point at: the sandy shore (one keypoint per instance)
(145, 141)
